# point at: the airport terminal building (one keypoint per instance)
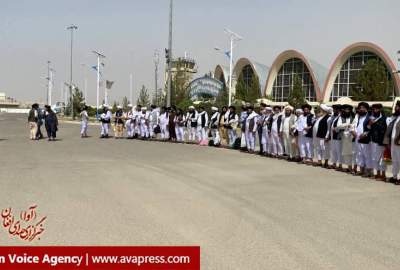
(320, 84)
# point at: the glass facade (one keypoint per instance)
(345, 81)
(222, 79)
(205, 87)
(247, 73)
(283, 83)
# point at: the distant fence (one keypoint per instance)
(14, 110)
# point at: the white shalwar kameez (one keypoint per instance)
(275, 138)
(251, 131)
(395, 151)
(363, 157)
(84, 122)
(164, 120)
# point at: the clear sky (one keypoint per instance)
(128, 32)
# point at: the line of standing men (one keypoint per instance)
(359, 141)
(167, 123)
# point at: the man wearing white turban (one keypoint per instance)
(321, 136)
(289, 121)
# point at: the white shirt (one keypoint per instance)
(301, 123)
(274, 128)
(226, 116)
(360, 126)
(193, 116)
(315, 127)
(234, 120)
(286, 122)
(214, 118)
(254, 116)
(153, 117)
(164, 118)
(179, 122)
(84, 116)
(200, 118)
(106, 116)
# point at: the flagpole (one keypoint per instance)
(98, 85)
(105, 87)
(233, 38)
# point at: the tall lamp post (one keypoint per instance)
(131, 80)
(84, 66)
(48, 82)
(233, 38)
(99, 55)
(156, 62)
(71, 28)
(169, 56)
(51, 84)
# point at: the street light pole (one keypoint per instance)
(170, 55)
(71, 28)
(51, 79)
(233, 38)
(48, 82)
(84, 66)
(156, 62)
(230, 73)
(99, 55)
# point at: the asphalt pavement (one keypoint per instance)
(245, 211)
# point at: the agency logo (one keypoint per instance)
(27, 226)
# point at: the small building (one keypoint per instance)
(205, 88)
(8, 102)
(182, 66)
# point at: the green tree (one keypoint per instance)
(125, 103)
(248, 92)
(184, 104)
(144, 98)
(114, 107)
(91, 111)
(222, 98)
(372, 83)
(78, 101)
(240, 89)
(297, 96)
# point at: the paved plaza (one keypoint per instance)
(245, 211)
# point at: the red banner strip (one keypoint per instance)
(97, 258)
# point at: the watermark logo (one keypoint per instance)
(27, 226)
